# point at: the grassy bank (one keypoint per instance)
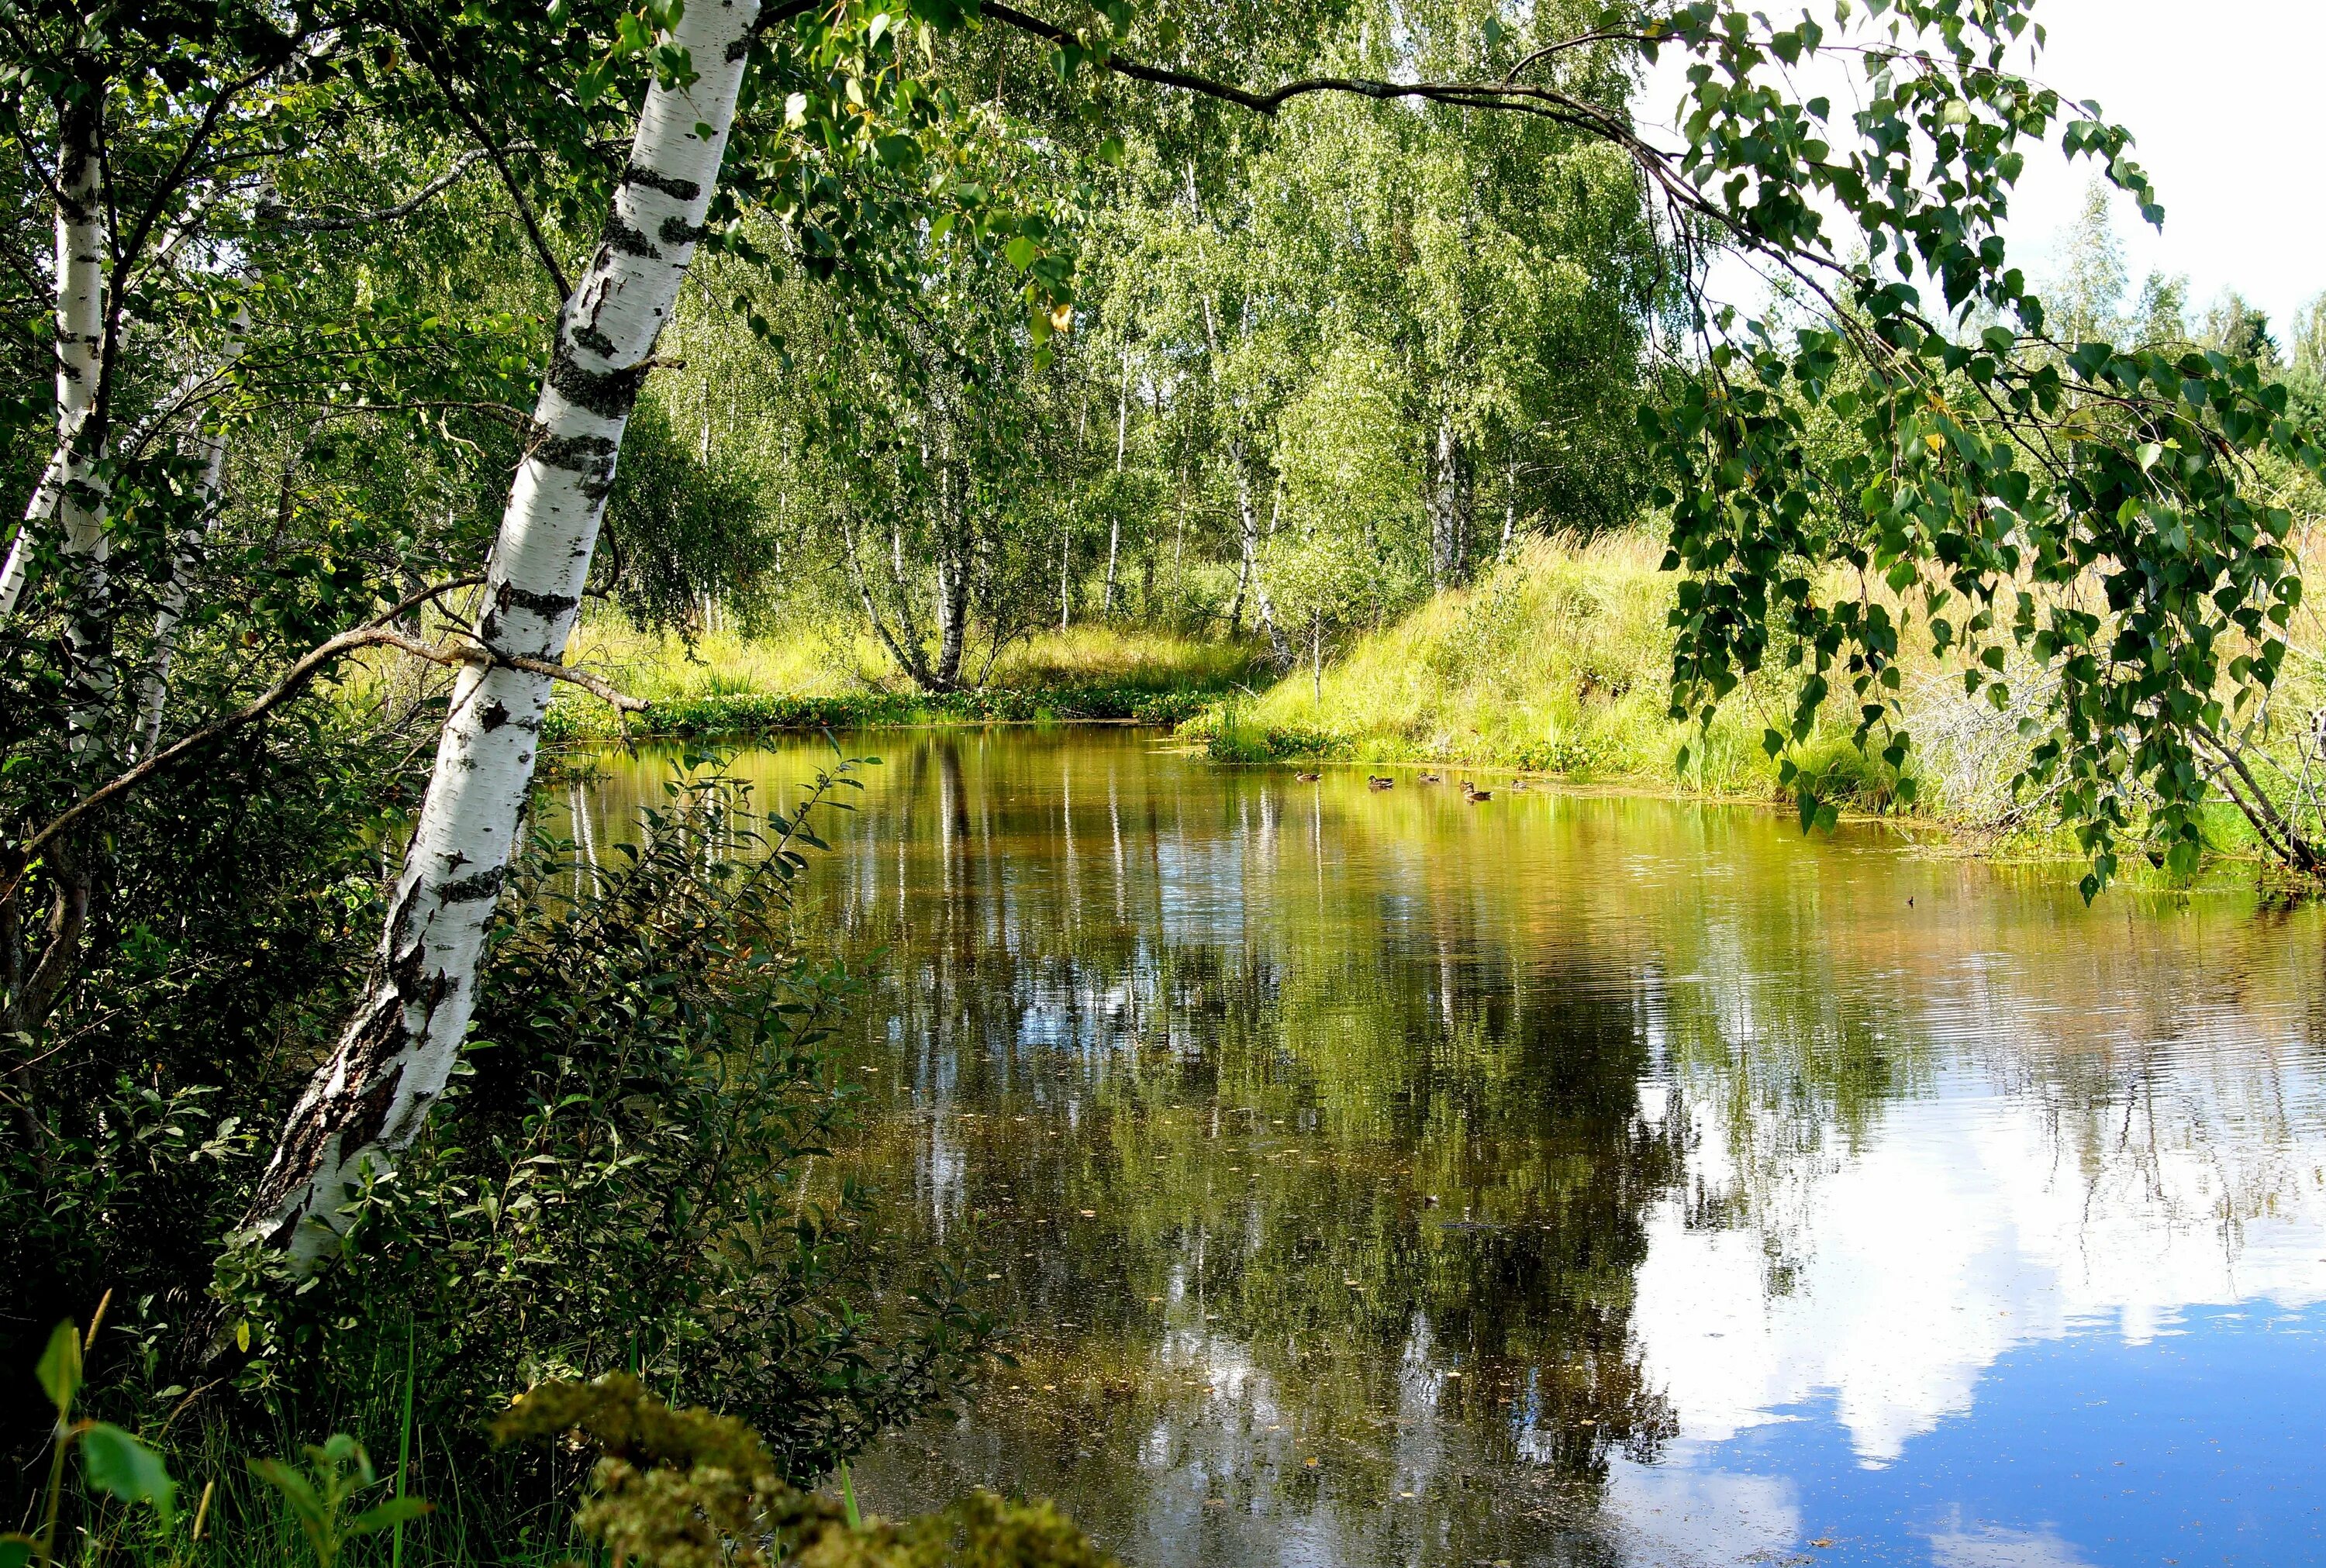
(1559, 662)
(728, 686)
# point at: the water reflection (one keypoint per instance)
(1382, 1179)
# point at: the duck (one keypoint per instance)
(1374, 781)
(1307, 777)
(1473, 795)
(1517, 784)
(1429, 778)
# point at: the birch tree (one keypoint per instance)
(371, 1095)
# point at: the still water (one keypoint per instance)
(1380, 1179)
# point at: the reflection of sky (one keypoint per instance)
(1939, 1338)
(2078, 1219)
(2089, 1449)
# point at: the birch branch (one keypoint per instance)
(291, 684)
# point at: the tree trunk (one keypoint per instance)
(1265, 615)
(1114, 524)
(37, 511)
(153, 685)
(372, 1096)
(954, 566)
(1449, 509)
(81, 503)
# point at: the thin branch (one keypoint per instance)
(475, 128)
(378, 633)
(337, 223)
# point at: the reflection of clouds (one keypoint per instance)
(1998, 1548)
(1672, 1517)
(1967, 1222)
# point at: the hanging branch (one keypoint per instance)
(377, 633)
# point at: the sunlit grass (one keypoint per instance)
(1559, 661)
(829, 661)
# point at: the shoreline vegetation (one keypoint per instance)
(1555, 666)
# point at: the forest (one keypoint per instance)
(405, 406)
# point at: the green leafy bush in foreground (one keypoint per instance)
(687, 1488)
(624, 1178)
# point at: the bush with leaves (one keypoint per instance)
(627, 1172)
(687, 1488)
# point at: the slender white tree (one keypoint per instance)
(371, 1096)
(80, 494)
(153, 682)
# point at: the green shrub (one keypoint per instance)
(620, 1174)
(739, 715)
(688, 1488)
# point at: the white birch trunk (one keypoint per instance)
(80, 503)
(154, 685)
(1266, 609)
(1115, 525)
(372, 1096)
(37, 511)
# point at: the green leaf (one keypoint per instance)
(1020, 252)
(59, 1368)
(295, 1491)
(16, 1551)
(120, 1464)
(393, 1512)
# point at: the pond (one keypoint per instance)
(1379, 1178)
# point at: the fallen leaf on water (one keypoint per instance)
(1090, 1213)
(1822, 1542)
(1312, 1461)
(993, 1276)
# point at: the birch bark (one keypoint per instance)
(373, 1095)
(154, 685)
(1115, 525)
(37, 511)
(82, 500)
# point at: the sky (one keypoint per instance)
(2219, 95)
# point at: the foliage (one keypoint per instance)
(686, 1488)
(320, 1493)
(747, 713)
(112, 1461)
(2087, 503)
(625, 1174)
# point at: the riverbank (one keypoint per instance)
(1556, 665)
(725, 686)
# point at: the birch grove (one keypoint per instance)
(371, 1095)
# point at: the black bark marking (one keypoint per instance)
(608, 393)
(484, 885)
(620, 236)
(680, 190)
(591, 458)
(495, 715)
(676, 230)
(540, 604)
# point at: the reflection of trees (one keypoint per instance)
(1255, 1030)
(1396, 1185)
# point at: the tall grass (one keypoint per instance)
(1558, 662)
(839, 661)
